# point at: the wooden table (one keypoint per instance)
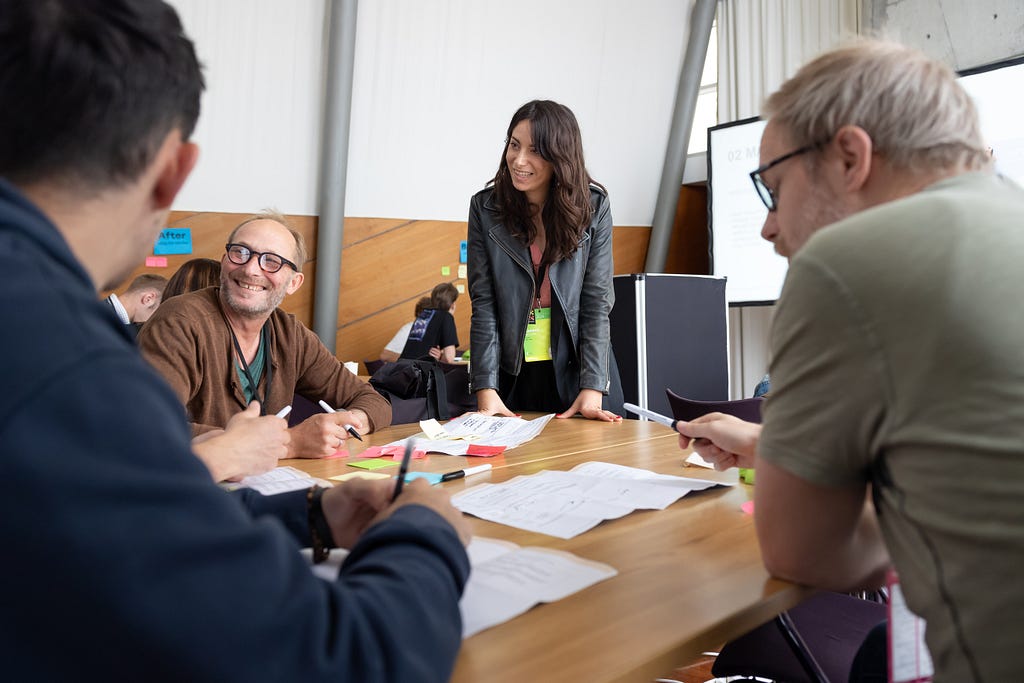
(690, 577)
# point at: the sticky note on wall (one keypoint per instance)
(174, 241)
(462, 251)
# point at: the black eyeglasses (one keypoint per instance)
(269, 261)
(766, 193)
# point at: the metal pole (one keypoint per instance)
(341, 50)
(702, 17)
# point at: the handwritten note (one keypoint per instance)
(565, 504)
(507, 580)
(277, 480)
(484, 435)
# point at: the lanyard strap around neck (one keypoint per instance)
(268, 367)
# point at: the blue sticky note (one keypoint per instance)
(462, 251)
(432, 477)
(174, 241)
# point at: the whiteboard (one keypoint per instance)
(754, 272)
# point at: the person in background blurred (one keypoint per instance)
(393, 350)
(197, 273)
(136, 304)
(433, 333)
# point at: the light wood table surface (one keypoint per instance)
(690, 576)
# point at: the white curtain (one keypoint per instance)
(761, 43)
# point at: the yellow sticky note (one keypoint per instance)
(462, 271)
(446, 271)
(460, 288)
(360, 475)
(433, 429)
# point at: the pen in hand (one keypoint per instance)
(651, 415)
(284, 411)
(348, 428)
(404, 468)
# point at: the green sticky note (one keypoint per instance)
(374, 464)
(446, 271)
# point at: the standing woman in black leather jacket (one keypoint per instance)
(540, 276)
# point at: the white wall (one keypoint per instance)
(436, 83)
(259, 128)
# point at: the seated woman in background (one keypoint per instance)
(197, 273)
(433, 333)
(393, 350)
(540, 276)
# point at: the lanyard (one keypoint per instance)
(540, 272)
(268, 367)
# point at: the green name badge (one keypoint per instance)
(538, 335)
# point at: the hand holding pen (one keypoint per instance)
(348, 428)
(419, 492)
(722, 440)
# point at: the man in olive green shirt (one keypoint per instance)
(898, 361)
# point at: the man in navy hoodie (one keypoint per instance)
(122, 559)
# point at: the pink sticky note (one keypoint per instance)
(156, 261)
(484, 451)
(371, 452)
(748, 507)
(343, 453)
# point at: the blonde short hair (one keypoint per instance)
(916, 113)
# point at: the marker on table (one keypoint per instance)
(459, 474)
(284, 411)
(404, 468)
(348, 428)
(651, 415)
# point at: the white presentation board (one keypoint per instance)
(753, 270)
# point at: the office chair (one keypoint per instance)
(748, 409)
(814, 642)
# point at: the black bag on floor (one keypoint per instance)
(413, 379)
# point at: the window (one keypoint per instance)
(705, 114)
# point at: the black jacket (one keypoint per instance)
(501, 287)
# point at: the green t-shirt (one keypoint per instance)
(898, 335)
(255, 369)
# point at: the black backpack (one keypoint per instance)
(413, 379)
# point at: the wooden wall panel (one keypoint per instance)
(388, 264)
(688, 246)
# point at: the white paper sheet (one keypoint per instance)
(565, 504)
(481, 430)
(505, 579)
(277, 480)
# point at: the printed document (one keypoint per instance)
(565, 504)
(277, 480)
(476, 430)
(506, 580)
